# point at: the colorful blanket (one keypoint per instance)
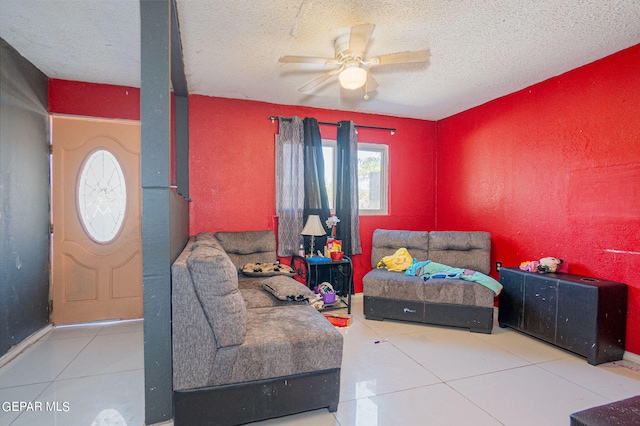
(428, 270)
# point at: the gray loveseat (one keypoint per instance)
(239, 354)
(451, 302)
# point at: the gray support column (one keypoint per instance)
(155, 123)
(181, 91)
(182, 145)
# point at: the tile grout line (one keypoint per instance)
(473, 403)
(50, 383)
(57, 377)
(77, 355)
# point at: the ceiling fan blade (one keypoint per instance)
(319, 80)
(307, 60)
(400, 58)
(360, 35)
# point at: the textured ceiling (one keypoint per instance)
(480, 50)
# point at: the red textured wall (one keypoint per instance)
(232, 167)
(551, 170)
(554, 170)
(93, 100)
(103, 101)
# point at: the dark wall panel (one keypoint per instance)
(24, 199)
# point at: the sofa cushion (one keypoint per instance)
(286, 288)
(191, 333)
(283, 341)
(266, 269)
(386, 242)
(248, 246)
(207, 239)
(216, 283)
(245, 281)
(469, 250)
(259, 298)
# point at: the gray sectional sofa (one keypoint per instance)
(450, 302)
(239, 354)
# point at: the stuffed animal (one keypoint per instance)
(549, 264)
(544, 265)
(529, 266)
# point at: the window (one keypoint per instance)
(102, 196)
(372, 176)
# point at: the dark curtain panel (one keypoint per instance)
(315, 192)
(347, 189)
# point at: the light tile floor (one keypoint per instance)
(416, 375)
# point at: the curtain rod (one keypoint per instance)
(390, 129)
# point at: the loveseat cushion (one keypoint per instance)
(458, 292)
(216, 283)
(395, 285)
(386, 242)
(286, 288)
(469, 250)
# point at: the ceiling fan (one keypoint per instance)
(351, 62)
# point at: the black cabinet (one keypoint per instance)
(581, 314)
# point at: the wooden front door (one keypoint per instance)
(96, 215)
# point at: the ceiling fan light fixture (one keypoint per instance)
(352, 63)
(353, 77)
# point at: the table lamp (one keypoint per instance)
(313, 228)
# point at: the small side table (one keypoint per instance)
(338, 273)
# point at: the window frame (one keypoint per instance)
(383, 149)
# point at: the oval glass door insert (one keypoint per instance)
(102, 196)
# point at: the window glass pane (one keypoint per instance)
(102, 196)
(372, 176)
(369, 180)
(328, 152)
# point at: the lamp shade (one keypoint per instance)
(353, 77)
(313, 226)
